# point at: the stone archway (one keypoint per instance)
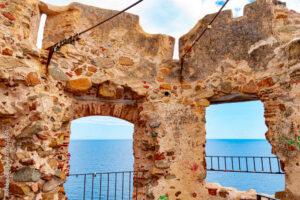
(253, 57)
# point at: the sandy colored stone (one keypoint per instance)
(19, 189)
(32, 79)
(202, 102)
(58, 74)
(135, 78)
(2, 143)
(9, 16)
(52, 184)
(165, 86)
(108, 90)
(125, 61)
(7, 52)
(27, 174)
(1, 167)
(35, 187)
(31, 130)
(79, 85)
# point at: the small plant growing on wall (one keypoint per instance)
(163, 197)
(294, 143)
(290, 145)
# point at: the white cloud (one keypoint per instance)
(172, 17)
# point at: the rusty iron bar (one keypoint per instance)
(72, 39)
(198, 38)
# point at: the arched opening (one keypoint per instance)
(101, 158)
(237, 152)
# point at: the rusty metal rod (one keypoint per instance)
(71, 40)
(199, 37)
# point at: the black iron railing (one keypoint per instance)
(245, 164)
(103, 186)
(120, 185)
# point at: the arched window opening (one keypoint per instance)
(237, 152)
(101, 162)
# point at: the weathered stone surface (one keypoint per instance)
(18, 189)
(32, 79)
(134, 77)
(58, 74)
(79, 85)
(52, 184)
(103, 62)
(125, 61)
(7, 52)
(110, 91)
(2, 143)
(27, 161)
(9, 16)
(293, 48)
(49, 196)
(27, 174)
(30, 130)
(250, 88)
(1, 167)
(162, 164)
(11, 63)
(7, 110)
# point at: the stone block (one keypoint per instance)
(162, 164)
(32, 79)
(27, 174)
(9, 16)
(30, 130)
(2, 143)
(7, 52)
(212, 191)
(110, 90)
(125, 61)
(165, 86)
(52, 184)
(58, 74)
(18, 189)
(79, 85)
(1, 167)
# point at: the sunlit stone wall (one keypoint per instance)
(119, 70)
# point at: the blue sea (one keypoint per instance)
(117, 155)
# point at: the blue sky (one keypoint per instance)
(101, 127)
(225, 121)
(175, 18)
(171, 17)
(236, 121)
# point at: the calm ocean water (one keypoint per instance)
(117, 155)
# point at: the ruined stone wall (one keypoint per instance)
(119, 70)
(254, 57)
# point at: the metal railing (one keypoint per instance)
(122, 185)
(103, 186)
(245, 164)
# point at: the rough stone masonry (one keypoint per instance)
(119, 70)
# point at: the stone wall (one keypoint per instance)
(119, 70)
